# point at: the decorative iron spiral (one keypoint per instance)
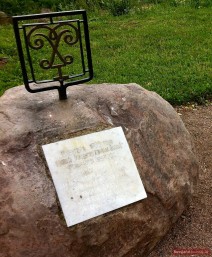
(37, 40)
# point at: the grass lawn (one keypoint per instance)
(164, 49)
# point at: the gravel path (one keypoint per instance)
(193, 230)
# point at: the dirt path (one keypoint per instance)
(193, 230)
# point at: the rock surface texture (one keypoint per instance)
(31, 221)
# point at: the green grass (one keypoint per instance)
(164, 49)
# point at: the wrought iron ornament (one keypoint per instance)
(61, 40)
(53, 38)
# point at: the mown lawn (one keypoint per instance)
(165, 49)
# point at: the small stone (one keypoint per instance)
(4, 19)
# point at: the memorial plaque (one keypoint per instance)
(93, 174)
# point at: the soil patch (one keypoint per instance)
(3, 61)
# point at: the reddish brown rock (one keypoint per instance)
(31, 221)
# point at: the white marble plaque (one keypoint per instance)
(93, 174)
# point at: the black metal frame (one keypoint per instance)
(54, 38)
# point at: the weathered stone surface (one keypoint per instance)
(31, 222)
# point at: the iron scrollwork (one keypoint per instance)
(37, 40)
(52, 35)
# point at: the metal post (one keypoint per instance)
(62, 93)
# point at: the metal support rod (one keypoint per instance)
(62, 93)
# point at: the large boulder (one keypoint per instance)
(31, 221)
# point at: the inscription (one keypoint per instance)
(95, 152)
(93, 174)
